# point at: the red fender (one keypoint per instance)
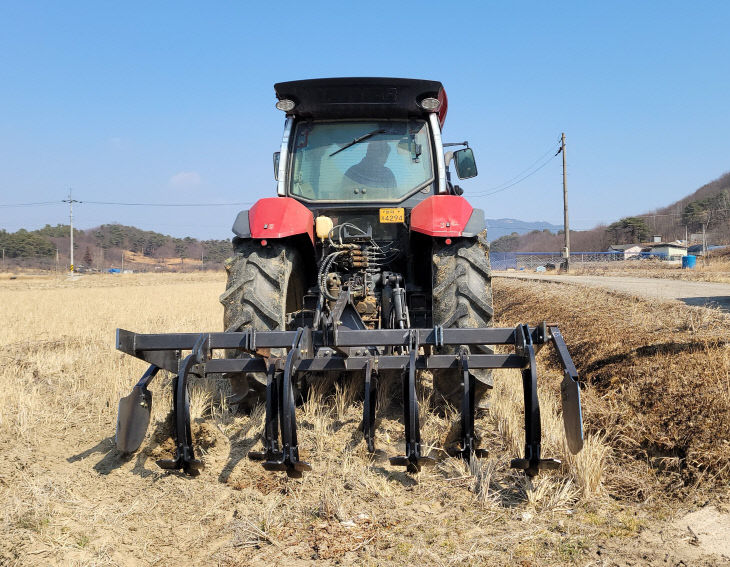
(441, 215)
(278, 217)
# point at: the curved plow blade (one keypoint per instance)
(572, 414)
(133, 419)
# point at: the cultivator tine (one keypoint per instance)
(569, 394)
(289, 442)
(271, 451)
(468, 440)
(532, 463)
(412, 460)
(280, 403)
(184, 458)
(368, 412)
(133, 417)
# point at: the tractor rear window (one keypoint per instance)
(360, 161)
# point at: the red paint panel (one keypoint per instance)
(278, 217)
(441, 215)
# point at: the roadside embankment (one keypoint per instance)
(657, 380)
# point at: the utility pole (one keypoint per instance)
(122, 260)
(566, 225)
(71, 202)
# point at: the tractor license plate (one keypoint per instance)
(393, 215)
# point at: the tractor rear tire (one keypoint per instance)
(462, 298)
(264, 285)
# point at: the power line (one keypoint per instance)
(42, 203)
(520, 177)
(485, 194)
(122, 204)
(549, 151)
(167, 204)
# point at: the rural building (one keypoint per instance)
(669, 250)
(628, 250)
(696, 249)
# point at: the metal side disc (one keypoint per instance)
(572, 415)
(133, 418)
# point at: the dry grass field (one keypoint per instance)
(715, 269)
(657, 381)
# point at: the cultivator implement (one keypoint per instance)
(342, 349)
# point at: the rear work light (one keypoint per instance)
(286, 104)
(430, 104)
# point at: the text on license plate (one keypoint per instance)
(392, 215)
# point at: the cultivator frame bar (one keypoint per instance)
(345, 350)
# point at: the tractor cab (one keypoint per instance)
(364, 141)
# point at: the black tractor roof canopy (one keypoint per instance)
(361, 97)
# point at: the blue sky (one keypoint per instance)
(174, 102)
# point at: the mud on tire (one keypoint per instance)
(264, 285)
(462, 298)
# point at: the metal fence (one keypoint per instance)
(532, 260)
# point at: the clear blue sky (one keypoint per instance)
(164, 102)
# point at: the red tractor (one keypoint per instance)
(368, 260)
(365, 210)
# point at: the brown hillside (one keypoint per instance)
(666, 221)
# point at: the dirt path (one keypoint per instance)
(702, 294)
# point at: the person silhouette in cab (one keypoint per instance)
(371, 170)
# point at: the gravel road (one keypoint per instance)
(703, 294)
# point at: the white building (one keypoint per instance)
(628, 250)
(669, 250)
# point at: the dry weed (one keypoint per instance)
(70, 498)
(712, 270)
(345, 393)
(642, 360)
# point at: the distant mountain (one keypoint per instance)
(496, 228)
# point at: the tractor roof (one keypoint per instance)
(361, 97)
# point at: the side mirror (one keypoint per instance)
(276, 166)
(466, 166)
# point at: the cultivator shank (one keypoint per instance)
(343, 349)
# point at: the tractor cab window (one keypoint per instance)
(360, 161)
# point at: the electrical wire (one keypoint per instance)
(533, 172)
(528, 168)
(123, 204)
(520, 177)
(40, 204)
(166, 204)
